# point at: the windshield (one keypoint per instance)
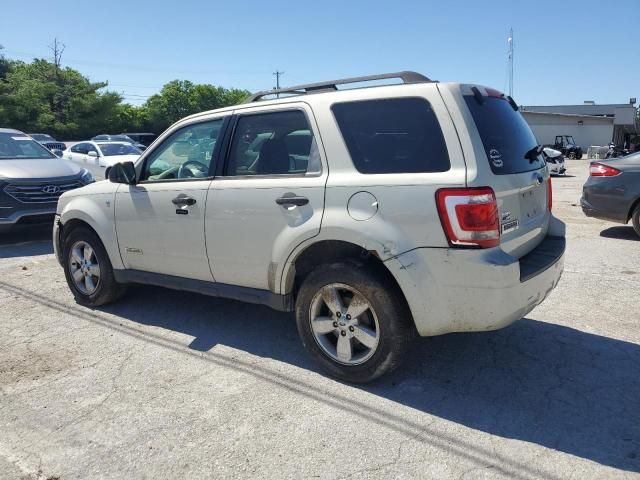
(570, 140)
(111, 149)
(42, 137)
(506, 136)
(19, 145)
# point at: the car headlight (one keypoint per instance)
(87, 177)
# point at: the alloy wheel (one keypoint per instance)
(344, 324)
(84, 267)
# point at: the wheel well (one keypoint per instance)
(70, 225)
(333, 251)
(633, 207)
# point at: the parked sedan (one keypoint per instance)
(612, 191)
(118, 138)
(143, 138)
(48, 141)
(97, 156)
(31, 180)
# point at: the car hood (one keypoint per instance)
(38, 168)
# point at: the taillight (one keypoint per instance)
(600, 170)
(469, 216)
(549, 195)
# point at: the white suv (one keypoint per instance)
(375, 213)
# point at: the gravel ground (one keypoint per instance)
(167, 384)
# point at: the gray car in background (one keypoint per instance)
(32, 179)
(612, 191)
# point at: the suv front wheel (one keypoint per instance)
(88, 270)
(353, 321)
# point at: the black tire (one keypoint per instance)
(572, 155)
(107, 289)
(395, 324)
(635, 219)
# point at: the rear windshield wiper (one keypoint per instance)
(533, 154)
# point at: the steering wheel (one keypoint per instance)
(182, 171)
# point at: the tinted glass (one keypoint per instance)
(399, 135)
(19, 145)
(81, 148)
(278, 143)
(505, 134)
(111, 149)
(42, 137)
(186, 154)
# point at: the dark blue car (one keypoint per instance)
(612, 191)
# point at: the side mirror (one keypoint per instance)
(124, 172)
(57, 153)
(93, 154)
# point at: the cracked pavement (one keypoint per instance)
(168, 384)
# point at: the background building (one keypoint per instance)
(590, 124)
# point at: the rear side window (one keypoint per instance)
(274, 143)
(395, 135)
(505, 135)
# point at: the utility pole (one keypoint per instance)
(510, 41)
(278, 74)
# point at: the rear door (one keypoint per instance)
(504, 148)
(268, 198)
(77, 153)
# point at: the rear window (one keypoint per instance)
(505, 134)
(399, 135)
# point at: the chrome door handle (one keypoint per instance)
(292, 201)
(183, 199)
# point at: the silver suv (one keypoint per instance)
(31, 180)
(376, 214)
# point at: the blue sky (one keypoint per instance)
(567, 51)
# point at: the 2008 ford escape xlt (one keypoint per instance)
(376, 214)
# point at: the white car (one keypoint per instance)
(376, 214)
(555, 161)
(97, 156)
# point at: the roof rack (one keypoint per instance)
(331, 85)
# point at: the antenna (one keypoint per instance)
(510, 62)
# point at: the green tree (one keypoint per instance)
(180, 98)
(43, 96)
(5, 64)
(40, 96)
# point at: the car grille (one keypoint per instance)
(55, 145)
(48, 192)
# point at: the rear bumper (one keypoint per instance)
(454, 290)
(590, 211)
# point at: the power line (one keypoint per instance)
(120, 66)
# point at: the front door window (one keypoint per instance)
(186, 154)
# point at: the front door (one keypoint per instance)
(160, 220)
(269, 197)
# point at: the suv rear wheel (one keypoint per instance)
(88, 270)
(353, 321)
